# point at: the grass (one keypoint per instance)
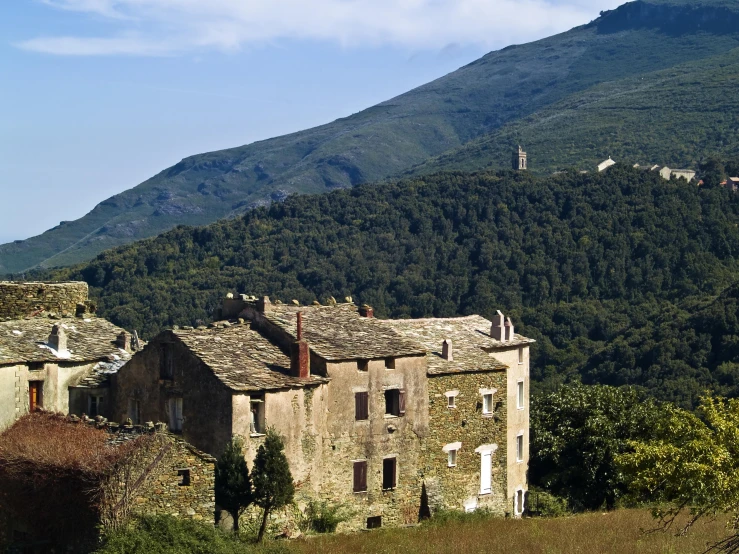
(620, 532)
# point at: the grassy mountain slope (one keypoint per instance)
(619, 276)
(493, 93)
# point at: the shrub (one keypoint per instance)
(544, 504)
(323, 517)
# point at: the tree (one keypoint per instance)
(577, 432)
(273, 482)
(233, 484)
(691, 464)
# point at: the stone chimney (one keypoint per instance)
(300, 354)
(123, 341)
(366, 311)
(497, 329)
(508, 329)
(264, 304)
(446, 350)
(58, 339)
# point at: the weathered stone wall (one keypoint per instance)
(19, 300)
(459, 487)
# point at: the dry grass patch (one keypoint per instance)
(620, 532)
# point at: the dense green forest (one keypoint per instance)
(652, 81)
(622, 277)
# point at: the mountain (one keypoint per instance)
(588, 76)
(622, 277)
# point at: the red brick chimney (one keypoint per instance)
(366, 311)
(300, 354)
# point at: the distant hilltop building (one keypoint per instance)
(666, 173)
(519, 160)
(606, 164)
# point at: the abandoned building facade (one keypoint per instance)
(373, 412)
(54, 353)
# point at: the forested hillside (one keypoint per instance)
(622, 277)
(649, 82)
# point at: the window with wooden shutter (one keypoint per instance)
(401, 402)
(35, 395)
(361, 406)
(360, 476)
(389, 473)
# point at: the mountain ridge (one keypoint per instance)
(477, 100)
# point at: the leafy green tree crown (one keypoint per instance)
(233, 484)
(273, 482)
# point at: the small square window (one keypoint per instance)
(394, 402)
(451, 401)
(452, 458)
(184, 475)
(363, 365)
(389, 363)
(519, 448)
(374, 522)
(487, 404)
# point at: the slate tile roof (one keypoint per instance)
(339, 333)
(471, 342)
(242, 358)
(88, 340)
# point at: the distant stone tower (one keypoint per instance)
(519, 160)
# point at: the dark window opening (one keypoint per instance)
(256, 418)
(361, 406)
(389, 363)
(360, 476)
(389, 467)
(363, 365)
(374, 522)
(95, 405)
(166, 365)
(395, 402)
(35, 366)
(35, 395)
(184, 475)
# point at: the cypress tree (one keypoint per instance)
(233, 484)
(273, 482)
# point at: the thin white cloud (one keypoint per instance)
(161, 27)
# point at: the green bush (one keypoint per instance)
(322, 517)
(544, 504)
(444, 517)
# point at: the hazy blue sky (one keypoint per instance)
(98, 95)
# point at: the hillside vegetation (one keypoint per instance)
(622, 277)
(650, 82)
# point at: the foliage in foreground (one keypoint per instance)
(169, 535)
(233, 483)
(273, 482)
(692, 463)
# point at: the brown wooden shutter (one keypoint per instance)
(361, 405)
(395, 473)
(401, 402)
(360, 476)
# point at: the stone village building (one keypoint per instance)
(373, 412)
(54, 353)
(64, 479)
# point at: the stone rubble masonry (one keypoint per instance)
(25, 299)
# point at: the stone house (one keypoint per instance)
(372, 411)
(54, 353)
(64, 479)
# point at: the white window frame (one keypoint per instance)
(520, 355)
(519, 447)
(451, 450)
(451, 399)
(486, 449)
(520, 394)
(491, 394)
(519, 505)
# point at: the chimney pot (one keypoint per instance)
(264, 304)
(367, 311)
(497, 329)
(300, 326)
(509, 329)
(58, 339)
(300, 354)
(446, 350)
(123, 341)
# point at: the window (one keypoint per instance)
(519, 395)
(174, 411)
(361, 406)
(166, 365)
(133, 411)
(256, 417)
(519, 506)
(486, 472)
(487, 404)
(94, 405)
(452, 458)
(451, 398)
(184, 475)
(394, 402)
(374, 522)
(389, 363)
(520, 355)
(35, 366)
(389, 467)
(363, 365)
(360, 476)
(35, 395)
(519, 448)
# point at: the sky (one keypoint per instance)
(96, 96)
